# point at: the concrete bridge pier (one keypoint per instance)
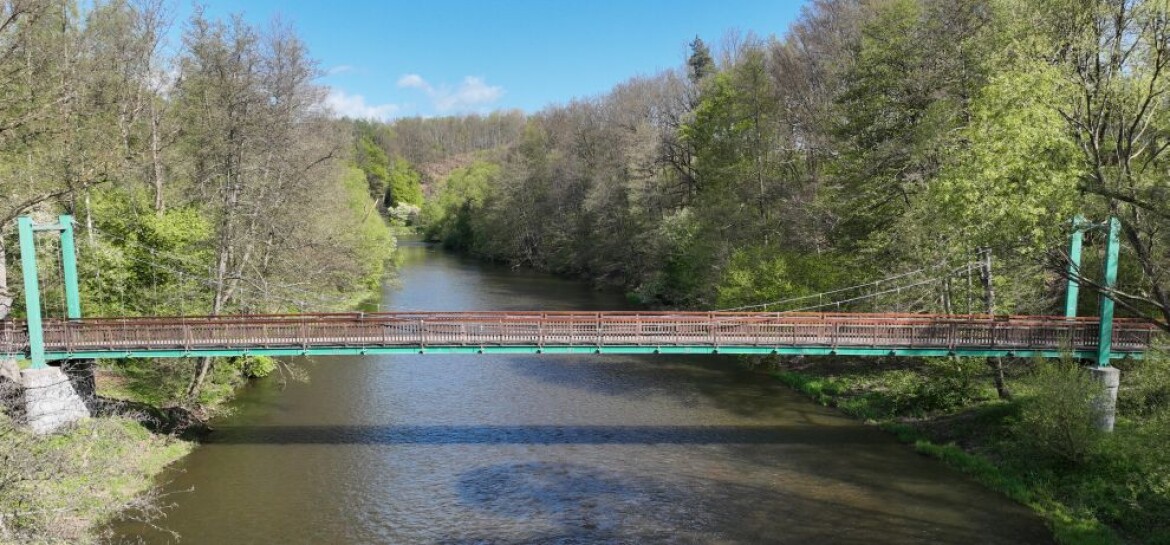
(1106, 403)
(47, 399)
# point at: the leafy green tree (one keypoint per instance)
(449, 217)
(372, 159)
(403, 185)
(760, 275)
(902, 99)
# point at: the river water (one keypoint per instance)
(493, 449)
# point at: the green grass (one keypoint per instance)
(163, 382)
(82, 478)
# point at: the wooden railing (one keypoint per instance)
(712, 329)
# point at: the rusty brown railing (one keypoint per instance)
(713, 329)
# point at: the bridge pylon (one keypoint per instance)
(27, 230)
(1109, 377)
(1105, 304)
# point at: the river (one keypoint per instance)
(499, 449)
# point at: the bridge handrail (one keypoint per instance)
(613, 315)
(537, 328)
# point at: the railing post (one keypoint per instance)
(1074, 267)
(32, 292)
(69, 269)
(1109, 282)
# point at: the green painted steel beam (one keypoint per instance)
(564, 349)
(1109, 281)
(1074, 266)
(32, 292)
(69, 269)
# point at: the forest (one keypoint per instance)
(882, 148)
(873, 138)
(907, 155)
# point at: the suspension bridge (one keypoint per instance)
(738, 331)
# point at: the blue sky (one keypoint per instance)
(386, 59)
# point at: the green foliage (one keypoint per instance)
(758, 274)
(700, 64)
(158, 383)
(373, 244)
(947, 384)
(1059, 413)
(1080, 502)
(940, 386)
(887, 124)
(1145, 388)
(257, 366)
(685, 254)
(404, 185)
(1017, 173)
(448, 218)
(372, 159)
(136, 267)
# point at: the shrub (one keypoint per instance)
(1058, 416)
(949, 383)
(257, 366)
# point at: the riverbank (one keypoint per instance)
(63, 488)
(67, 487)
(1090, 488)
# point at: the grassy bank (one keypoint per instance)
(63, 488)
(1039, 447)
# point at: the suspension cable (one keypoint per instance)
(897, 289)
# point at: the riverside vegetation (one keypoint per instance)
(211, 180)
(873, 138)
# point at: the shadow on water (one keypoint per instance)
(579, 504)
(542, 435)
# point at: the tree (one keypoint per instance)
(372, 159)
(904, 95)
(403, 185)
(700, 64)
(1115, 57)
(260, 151)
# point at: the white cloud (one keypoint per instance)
(472, 93)
(347, 105)
(414, 81)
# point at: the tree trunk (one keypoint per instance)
(221, 290)
(996, 364)
(988, 286)
(946, 296)
(998, 375)
(5, 297)
(156, 159)
(206, 363)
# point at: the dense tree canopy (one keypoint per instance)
(875, 137)
(211, 181)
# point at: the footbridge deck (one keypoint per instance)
(577, 332)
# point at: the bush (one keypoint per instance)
(257, 366)
(1058, 416)
(948, 384)
(1145, 384)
